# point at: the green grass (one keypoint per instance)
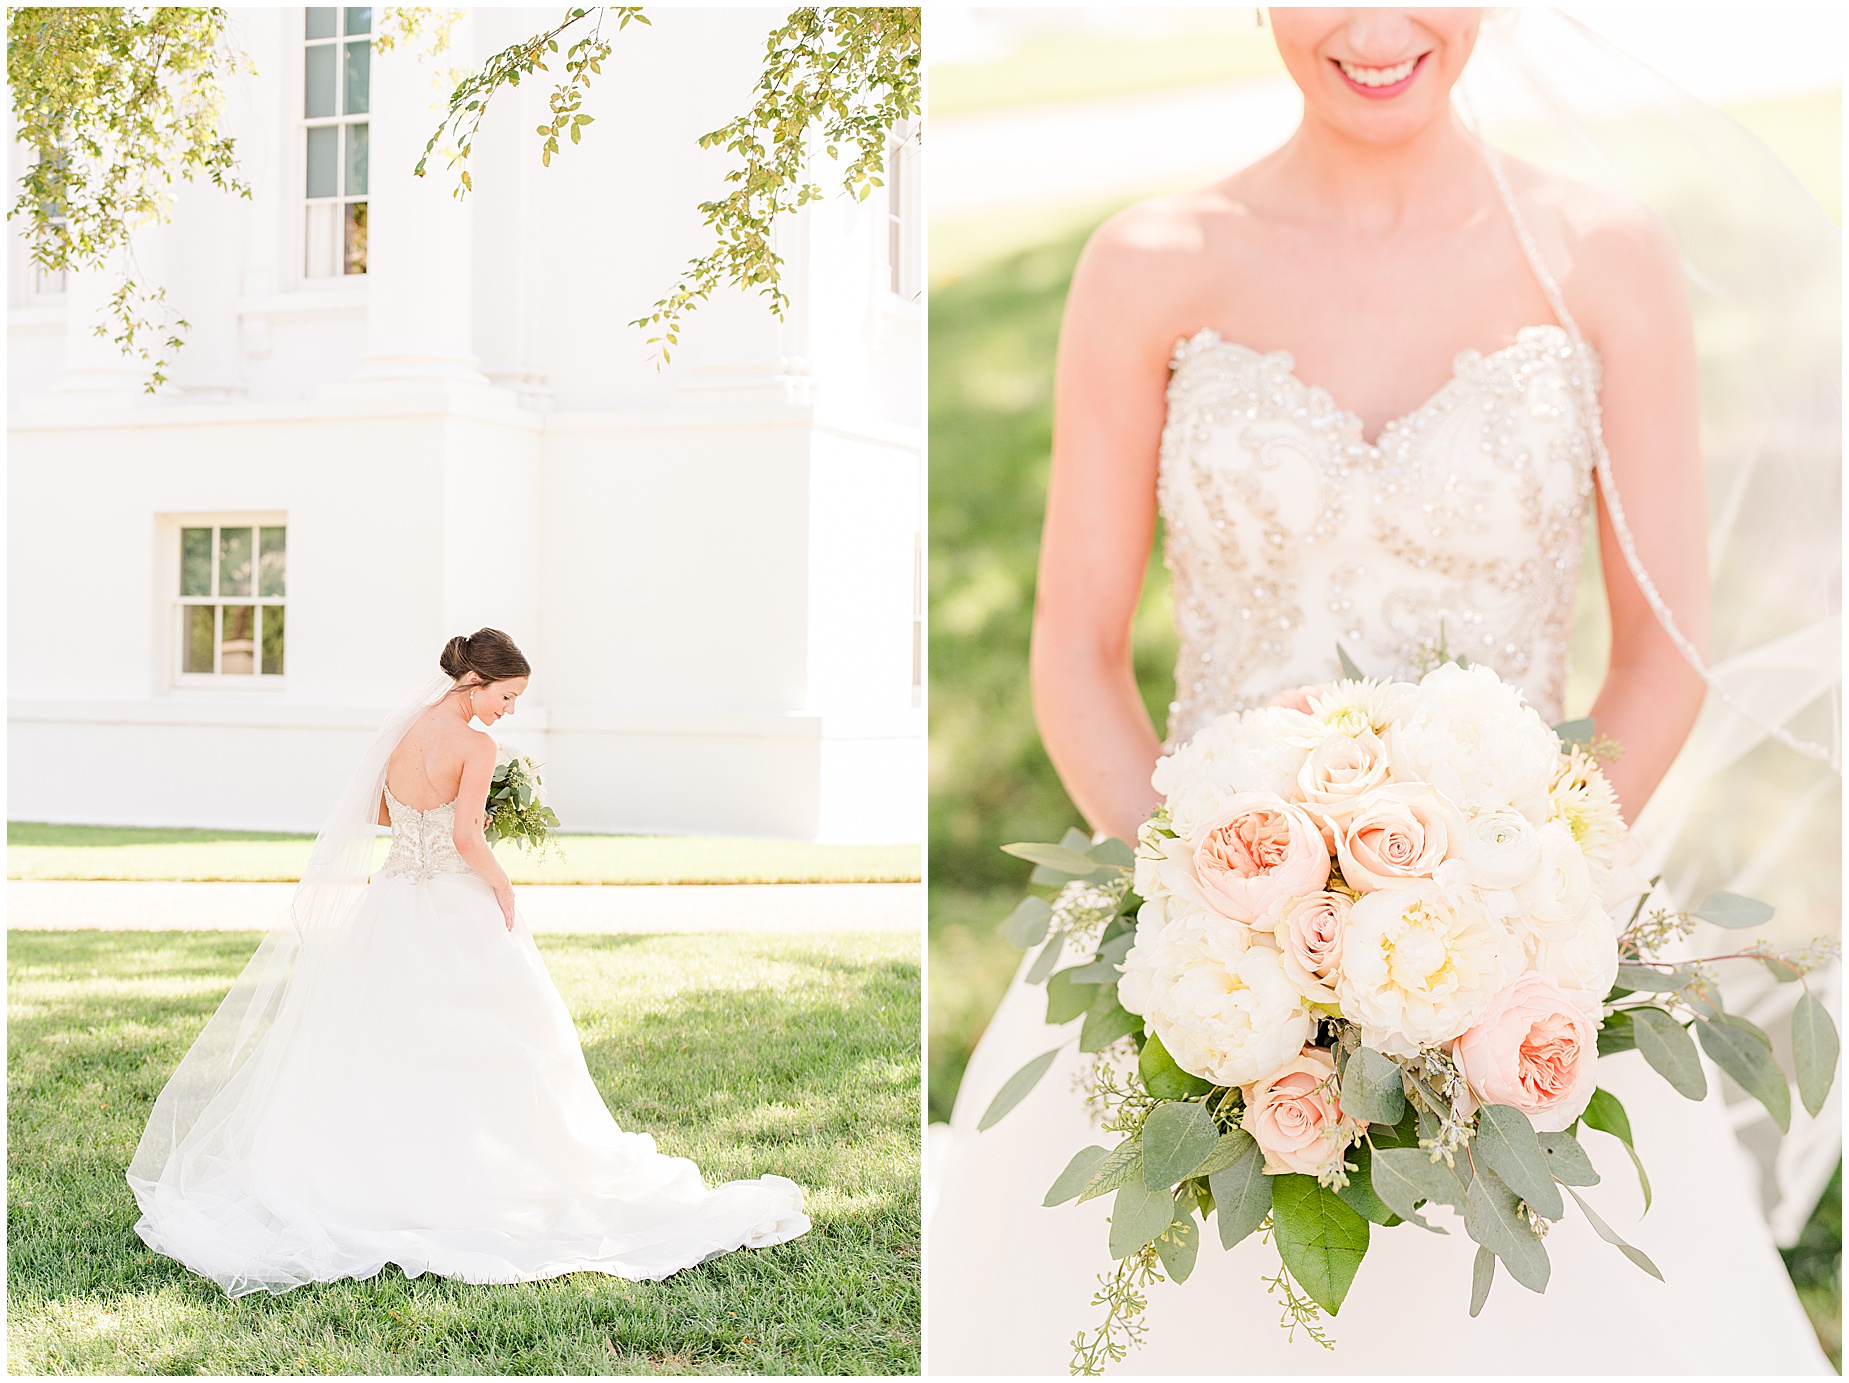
(789, 1054)
(38, 851)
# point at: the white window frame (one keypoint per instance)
(174, 605)
(902, 227)
(301, 201)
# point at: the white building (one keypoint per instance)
(399, 416)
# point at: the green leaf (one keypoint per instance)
(1016, 1090)
(1104, 970)
(1567, 1160)
(1607, 1115)
(1733, 911)
(1580, 732)
(1404, 1177)
(1179, 1245)
(1241, 1194)
(1506, 1142)
(1650, 979)
(1404, 1134)
(1121, 1166)
(1482, 1273)
(1138, 1215)
(1163, 1078)
(1055, 857)
(1320, 1239)
(1106, 1021)
(1815, 1047)
(1066, 1000)
(1112, 853)
(1360, 1193)
(1231, 1147)
(1669, 1049)
(1616, 1035)
(1027, 924)
(1372, 1090)
(1493, 1218)
(1047, 959)
(1745, 1053)
(1782, 971)
(1349, 670)
(1604, 1231)
(1078, 1172)
(1176, 1138)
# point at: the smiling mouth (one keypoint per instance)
(1380, 83)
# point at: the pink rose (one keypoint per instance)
(1298, 698)
(1309, 933)
(1258, 854)
(1296, 1118)
(1396, 834)
(1535, 1047)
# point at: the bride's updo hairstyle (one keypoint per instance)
(488, 653)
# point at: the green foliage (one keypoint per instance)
(844, 75)
(1320, 1238)
(112, 104)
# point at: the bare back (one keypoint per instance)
(426, 768)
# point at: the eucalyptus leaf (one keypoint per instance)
(1605, 1232)
(1241, 1195)
(1179, 1245)
(1815, 1047)
(1733, 911)
(1176, 1138)
(1650, 979)
(1493, 1218)
(1078, 1172)
(1106, 1021)
(1027, 924)
(1745, 1053)
(1054, 857)
(1066, 1000)
(1122, 1165)
(1016, 1089)
(1104, 970)
(1231, 1147)
(1507, 1143)
(1320, 1238)
(1580, 732)
(1349, 670)
(1617, 1034)
(1405, 1176)
(1567, 1160)
(1359, 1193)
(1669, 1049)
(1782, 971)
(1372, 1089)
(1112, 853)
(1138, 1215)
(1162, 1077)
(1482, 1273)
(1047, 959)
(1606, 1114)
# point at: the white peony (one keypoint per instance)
(1251, 751)
(1220, 1001)
(1581, 954)
(1421, 962)
(1470, 735)
(1561, 887)
(1501, 849)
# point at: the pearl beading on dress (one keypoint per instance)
(423, 843)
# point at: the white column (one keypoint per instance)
(420, 247)
(733, 348)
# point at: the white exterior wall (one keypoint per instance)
(710, 565)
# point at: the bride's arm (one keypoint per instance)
(472, 819)
(1100, 517)
(1631, 279)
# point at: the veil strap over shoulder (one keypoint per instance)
(224, 1076)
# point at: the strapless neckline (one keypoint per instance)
(1210, 338)
(394, 799)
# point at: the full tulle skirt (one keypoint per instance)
(1010, 1282)
(423, 1101)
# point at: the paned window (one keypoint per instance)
(336, 97)
(231, 612)
(903, 225)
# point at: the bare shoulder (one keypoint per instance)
(477, 746)
(1157, 250)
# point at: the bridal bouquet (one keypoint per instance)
(1363, 962)
(517, 807)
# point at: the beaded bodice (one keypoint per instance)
(1461, 527)
(423, 843)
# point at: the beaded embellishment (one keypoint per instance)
(423, 843)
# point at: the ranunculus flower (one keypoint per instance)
(1309, 933)
(1258, 854)
(1470, 735)
(1340, 771)
(1219, 1000)
(1296, 1117)
(1534, 1047)
(1500, 849)
(1579, 955)
(1422, 961)
(1556, 896)
(1396, 833)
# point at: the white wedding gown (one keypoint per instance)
(1287, 532)
(430, 1107)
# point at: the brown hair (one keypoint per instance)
(488, 653)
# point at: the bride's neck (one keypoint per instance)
(1376, 188)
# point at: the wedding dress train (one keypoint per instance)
(420, 1098)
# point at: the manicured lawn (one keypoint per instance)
(38, 851)
(750, 1054)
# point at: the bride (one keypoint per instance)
(394, 1078)
(1367, 410)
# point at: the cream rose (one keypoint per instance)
(1422, 961)
(1258, 854)
(1340, 771)
(1534, 1047)
(1295, 1116)
(1396, 833)
(1309, 933)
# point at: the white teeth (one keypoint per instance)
(1378, 76)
